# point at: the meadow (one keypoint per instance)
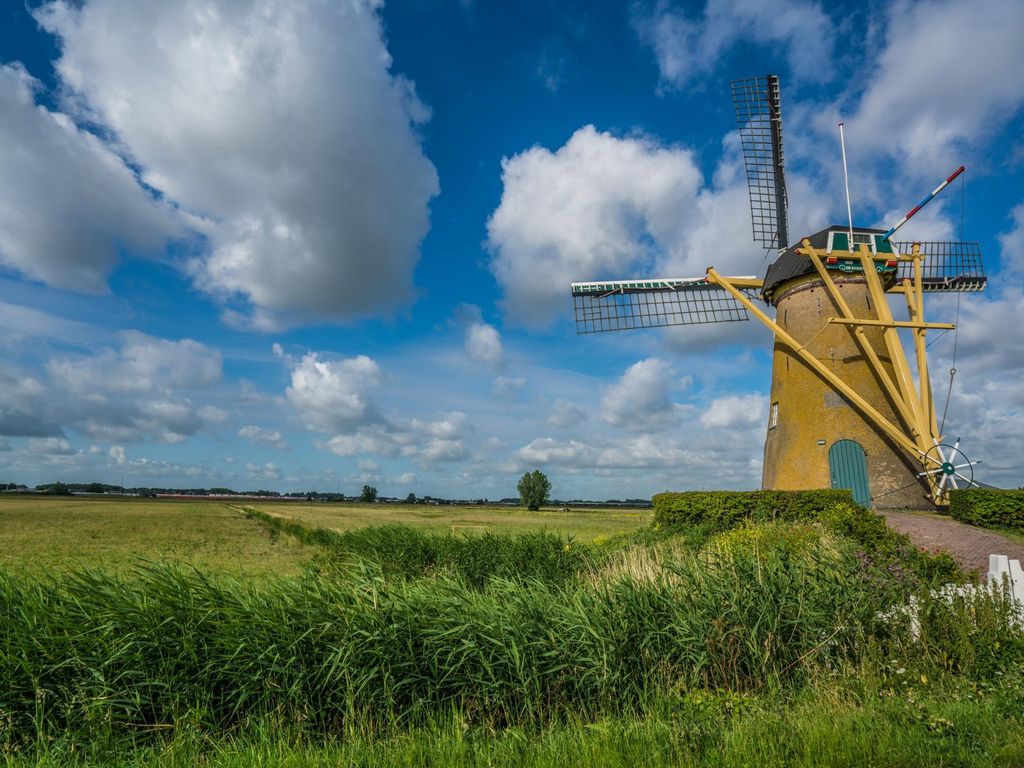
(768, 643)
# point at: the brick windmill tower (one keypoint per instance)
(846, 409)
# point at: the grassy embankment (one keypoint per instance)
(759, 645)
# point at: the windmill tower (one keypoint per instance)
(846, 410)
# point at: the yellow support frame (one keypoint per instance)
(914, 405)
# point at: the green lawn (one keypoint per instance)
(585, 524)
(55, 533)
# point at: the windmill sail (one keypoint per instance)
(618, 305)
(947, 267)
(759, 116)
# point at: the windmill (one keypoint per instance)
(846, 410)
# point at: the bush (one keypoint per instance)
(988, 507)
(722, 510)
(885, 555)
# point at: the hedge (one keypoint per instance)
(725, 509)
(988, 507)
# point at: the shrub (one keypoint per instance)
(724, 509)
(988, 507)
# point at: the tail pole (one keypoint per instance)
(924, 202)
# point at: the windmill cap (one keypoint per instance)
(791, 265)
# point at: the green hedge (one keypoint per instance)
(988, 507)
(724, 509)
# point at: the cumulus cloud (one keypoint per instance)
(919, 77)
(736, 411)
(583, 211)
(334, 395)
(141, 390)
(482, 340)
(483, 345)
(688, 47)
(142, 364)
(69, 202)
(268, 438)
(640, 398)
(314, 206)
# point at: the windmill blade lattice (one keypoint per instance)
(627, 304)
(759, 116)
(948, 267)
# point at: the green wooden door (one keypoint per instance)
(848, 467)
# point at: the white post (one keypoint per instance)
(846, 179)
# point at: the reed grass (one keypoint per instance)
(390, 656)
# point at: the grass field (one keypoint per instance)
(53, 533)
(749, 643)
(585, 524)
(56, 533)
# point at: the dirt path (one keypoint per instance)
(970, 545)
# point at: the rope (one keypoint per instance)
(952, 370)
(956, 332)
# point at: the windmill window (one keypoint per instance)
(838, 241)
(773, 416)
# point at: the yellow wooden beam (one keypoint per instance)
(905, 411)
(746, 282)
(895, 347)
(898, 435)
(893, 324)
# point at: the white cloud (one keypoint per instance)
(687, 48)
(334, 396)
(508, 387)
(268, 438)
(117, 453)
(268, 471)
(483, 345)
(547, 450)
(584, 211)
(451, 425)
(142, 390)
(59, 446)
(736, 411)
(437, 450)
(142, 364)
(373, 440)
(948, 74)
(565, 413)
(640, 398)
(297, 155)
(68, 202)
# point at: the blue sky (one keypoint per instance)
(297, 244)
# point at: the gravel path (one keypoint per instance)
(970, 545)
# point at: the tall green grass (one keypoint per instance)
(406, 552)
(109, 655)
(398, 632)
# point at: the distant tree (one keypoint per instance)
(410, 499)
(533, 488)
(369, 494)
(95, 488)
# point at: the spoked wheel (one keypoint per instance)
(948, 466)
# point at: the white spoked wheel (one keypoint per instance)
(948, 466)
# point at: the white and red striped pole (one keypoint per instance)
(924, 202)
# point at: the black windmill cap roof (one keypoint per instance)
(791, 264)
